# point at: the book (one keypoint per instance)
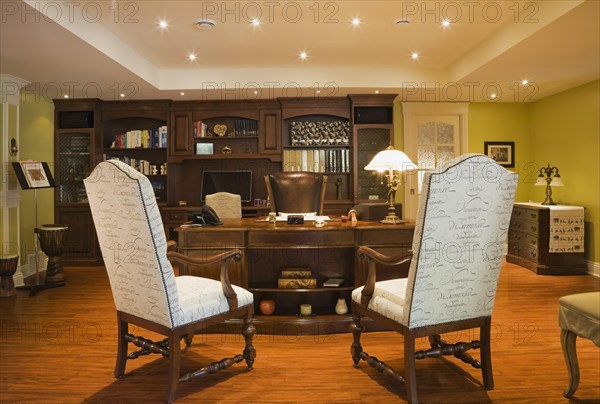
(333, 283)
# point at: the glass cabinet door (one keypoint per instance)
(73, 165)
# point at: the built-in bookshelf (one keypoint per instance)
(221, 137)
(319, 160)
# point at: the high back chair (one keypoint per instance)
(145, 289)
(227, 205)
(296, 192)
(460, 231)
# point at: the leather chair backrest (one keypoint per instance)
(132, 239)
(296, 191)
(461, 228)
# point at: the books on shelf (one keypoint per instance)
(241, 128)
(141, 139)
(333, 283)
(317, 160)
(297, 278)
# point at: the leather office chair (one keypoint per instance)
(460, 231)
(296, 192)
(145, 289)
(227, 205)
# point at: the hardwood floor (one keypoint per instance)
(59, 347)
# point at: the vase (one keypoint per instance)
(341, 307)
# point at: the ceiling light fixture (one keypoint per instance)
(303, 55)
(400, 22)
(255, 22)
(356, 21)
(414, 56)
(524, 82)
(163, 24)
(445, 23)
(205, 24)
(192, 56)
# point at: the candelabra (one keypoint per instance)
(549, 176)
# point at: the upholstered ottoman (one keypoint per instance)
(578, 316)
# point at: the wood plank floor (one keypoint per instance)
(59, 347)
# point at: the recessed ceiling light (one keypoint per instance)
(400, 22)
(414, 56)
(356, 21)
(192, 56)
(376, 91)
(122, 95)
(182, 93)
(163, 24)
(493, 95)
(205, 24)
(303, 55)
(445, 23)
(255, 22)
(525, 82)
(66, 96)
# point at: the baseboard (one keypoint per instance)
(593, 268)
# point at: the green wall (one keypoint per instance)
(565, 132)
(36, 143)
(504, 122)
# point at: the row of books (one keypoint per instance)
(317, 160)
(141, 138)
(143, 166)
(241, 128)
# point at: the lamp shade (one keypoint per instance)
(390, 158)
(557, 181)
(540, 181)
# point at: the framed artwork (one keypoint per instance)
(502, 152)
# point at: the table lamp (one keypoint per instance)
(549, 177)
(391, 160)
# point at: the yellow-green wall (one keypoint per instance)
(504, 122)
(565, 132)
(37, 143)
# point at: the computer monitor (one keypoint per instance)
(234, 182)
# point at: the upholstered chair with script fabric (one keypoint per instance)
(227, 205)
(145, 290)
(460, 231)
(296, 192)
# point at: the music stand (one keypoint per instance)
(35, 175)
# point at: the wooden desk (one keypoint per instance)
(329, 251)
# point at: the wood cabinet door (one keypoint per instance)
(269, 138)
(181, 135)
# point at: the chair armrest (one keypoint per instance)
(373, 257)
(171, 245)
(224, 257)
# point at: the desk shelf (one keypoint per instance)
(329, 252)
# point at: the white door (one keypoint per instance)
(433, 133)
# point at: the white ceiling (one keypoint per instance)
(106, 48)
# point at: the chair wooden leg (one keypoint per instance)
(410, 375)
(122, 330)
(568, 341)
(356, 328)
(174, 366)
(248, 331)
(486, 355)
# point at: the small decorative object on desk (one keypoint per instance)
(305, 309)
(267, 306)
(272, 217)
(341, 307)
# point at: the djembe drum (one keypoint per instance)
(8, 267)
(52, 241)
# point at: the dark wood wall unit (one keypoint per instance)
(244, 135)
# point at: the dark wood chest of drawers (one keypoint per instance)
(529, 243)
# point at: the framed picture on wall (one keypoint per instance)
(502, 152)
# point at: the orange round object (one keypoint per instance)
(267, 306)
